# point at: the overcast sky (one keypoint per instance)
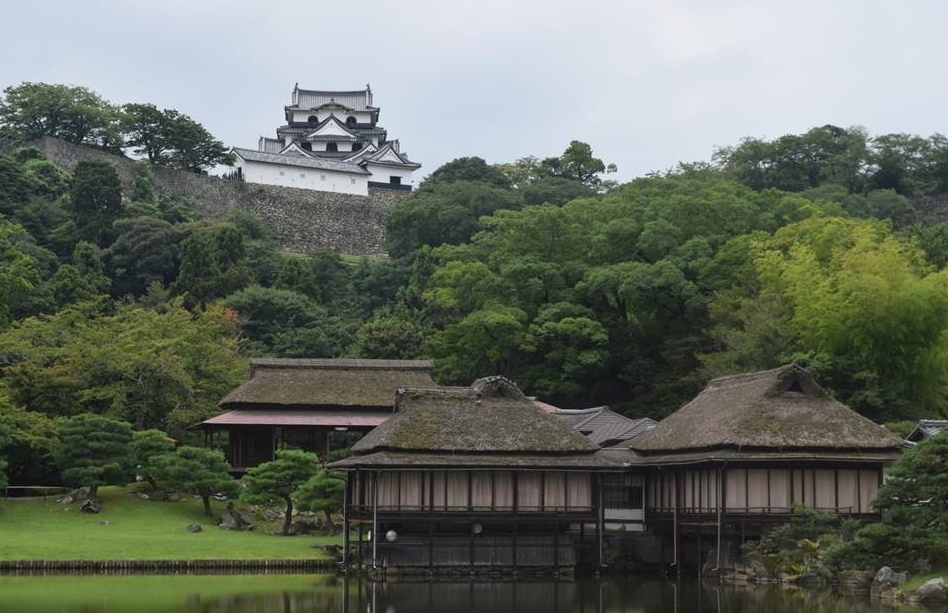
(647, 83)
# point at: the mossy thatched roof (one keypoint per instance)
(325, 383)
(774, 410)
(490, 417)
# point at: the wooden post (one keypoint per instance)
(345, 523)
(375, 520)
(720, 511)
(600, 519)
(675, 535)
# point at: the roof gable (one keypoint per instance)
(331, 126)
(779, 409)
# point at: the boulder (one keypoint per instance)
(932, 591)
(232, 520)
(885, 585)
(194, 528)
(89, 506)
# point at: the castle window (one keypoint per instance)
(313, 119)
(307, 146)
(393, 180)
(352, 180)
(332, 147)
(350, 121)
(356, 146)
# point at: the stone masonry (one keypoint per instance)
(299, 220)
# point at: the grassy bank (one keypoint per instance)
(129, 528)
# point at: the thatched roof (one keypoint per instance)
(357, 420)
(490, 418)
(326, 383)
(780, 410)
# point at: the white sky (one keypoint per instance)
(647, 83)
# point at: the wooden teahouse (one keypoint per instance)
(473, 478)
(307, 403)
(750, 448)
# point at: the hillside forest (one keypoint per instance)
(826, 248)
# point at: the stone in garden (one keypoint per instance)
(231, 520)
(194, 527)
(89, 506)
(932, 590)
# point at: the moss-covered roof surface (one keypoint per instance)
(492, 416)
(326, 383)
(774, 410)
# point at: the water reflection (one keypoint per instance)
(309, 594)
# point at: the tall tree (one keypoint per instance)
(74, 114)
(94, 450)
(280, 480)
(96, 201)
(578, 164)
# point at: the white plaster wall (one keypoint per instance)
(304, 178)
(381, 174)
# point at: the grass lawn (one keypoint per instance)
(129, 528)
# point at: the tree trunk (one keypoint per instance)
(207, 504)
(288, 516)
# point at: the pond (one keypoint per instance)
(324, 594)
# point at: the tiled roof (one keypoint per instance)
(295, 160)
(311, 98)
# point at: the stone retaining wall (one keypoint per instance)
(298, 219)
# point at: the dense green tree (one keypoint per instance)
(577, 164)
(15, 188)
(827, 154)
(469, 169)
(45, 179)
(280, 480)
(201, 471)
(914, 495)
(23, 269)
(443, 213)
(213, 263)
(96, 201)
(74, 114)
(145, 445)
(555, 190)
(164, 370)
(93, 450)
(170, 138)
(82, 280)
(145, 251)
(389, 334)
(323, 493)
(30, 449)
(287, 324)
(861, 308)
